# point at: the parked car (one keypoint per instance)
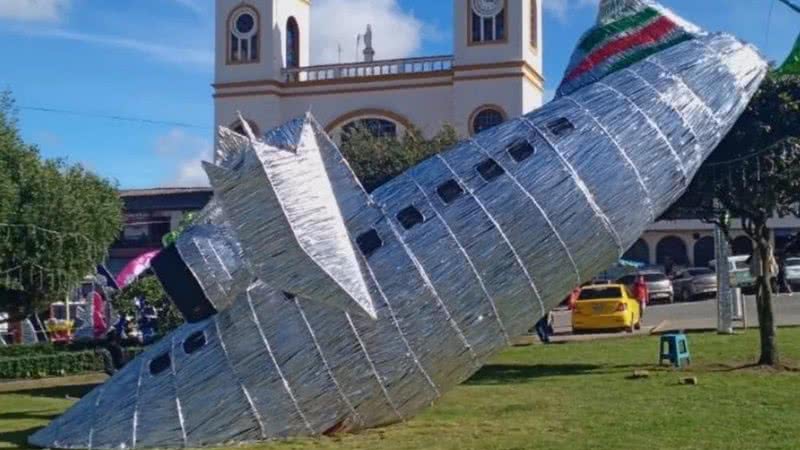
(659, 286)
(739, 267)
(607, 307)
(693, 283)
(791, 268)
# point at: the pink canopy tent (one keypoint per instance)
(136, 267)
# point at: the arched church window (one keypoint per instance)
(377, 127)
(486, 118)
(487, 21)
(243, 36)
(292, 43)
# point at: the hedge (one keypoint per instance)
(18, 351)
(56, 363)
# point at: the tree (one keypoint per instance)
(56, 222)
(376, 160)
(185, 222)
(150, 289)
(755, 175)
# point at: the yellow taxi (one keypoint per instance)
(604, 308)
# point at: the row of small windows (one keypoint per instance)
(162, 362)
(448, 192)
(489, 118)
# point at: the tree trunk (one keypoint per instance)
(766, 317)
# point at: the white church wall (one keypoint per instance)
(425, 107)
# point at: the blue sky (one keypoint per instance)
(153, 59)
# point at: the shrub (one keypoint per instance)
(17, 351)
(57, 364)
(52, 361)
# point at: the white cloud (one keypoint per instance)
(183, 153)
(196, 6)
(34, 10)
(396, 33)
(178, 55)
(561, 8)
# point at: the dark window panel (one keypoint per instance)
(489, 169)
(500, 26)
(159, 364)
(410, 217)
(449, 191)
(194, 342)
(254, 47)
(369, 242)
(476, 28)
(521, 151)
(561, 127)
(488, 29)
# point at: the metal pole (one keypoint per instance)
(724, 297)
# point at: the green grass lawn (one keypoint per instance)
(570, 396)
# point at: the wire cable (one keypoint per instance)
(115, 117)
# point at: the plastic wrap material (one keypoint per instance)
(449, 261)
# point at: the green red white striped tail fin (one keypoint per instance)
(627, 31)
(792, 64)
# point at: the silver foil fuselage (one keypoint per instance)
(520, 228)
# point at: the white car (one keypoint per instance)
(740, 272)
(791, 270)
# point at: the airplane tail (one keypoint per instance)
(627, 31)
(284, 206)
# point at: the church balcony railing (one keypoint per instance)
(388, 67)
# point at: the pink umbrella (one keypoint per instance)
(133, 269)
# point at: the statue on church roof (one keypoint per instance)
(369, 52)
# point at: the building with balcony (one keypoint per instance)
(263, 70)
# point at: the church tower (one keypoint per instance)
(497, 59)
(257, 39)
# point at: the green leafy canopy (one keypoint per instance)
(376, 160)
(56, 221)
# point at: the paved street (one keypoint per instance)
(687, 316)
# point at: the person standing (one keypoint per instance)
(573, 298)
(544, 328)
(641, 293)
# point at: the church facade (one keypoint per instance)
(263, 70)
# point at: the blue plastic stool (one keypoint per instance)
(677, 350)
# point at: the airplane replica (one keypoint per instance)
(314, 307)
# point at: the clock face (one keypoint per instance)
(487, 8)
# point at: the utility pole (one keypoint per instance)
(724, 294)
